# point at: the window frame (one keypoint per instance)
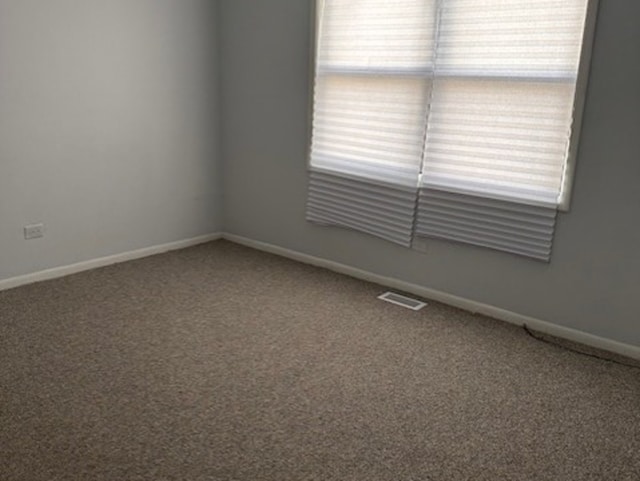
(579, 101)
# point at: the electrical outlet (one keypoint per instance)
(33, 231)
(420, 244)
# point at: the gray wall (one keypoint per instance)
(593, 281)
(108, 127)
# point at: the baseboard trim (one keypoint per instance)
(62, 271)
(449, 299)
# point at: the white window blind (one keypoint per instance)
(374, 69)
(472, 101)
(507, 226)
(500, 122)
(373, 79)
(501, 111)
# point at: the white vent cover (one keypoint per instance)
(403, 301)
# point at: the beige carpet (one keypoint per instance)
(223, 363)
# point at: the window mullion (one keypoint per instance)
(436, 41)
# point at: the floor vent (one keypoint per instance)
(403, 301)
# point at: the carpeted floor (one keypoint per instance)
(223, 363)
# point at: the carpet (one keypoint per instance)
(223, 363)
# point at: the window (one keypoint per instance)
(446, 118)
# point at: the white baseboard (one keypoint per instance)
(425, 292)
(104, 261)
(449, 299)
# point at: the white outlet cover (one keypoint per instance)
(420, 244)
(33, 231)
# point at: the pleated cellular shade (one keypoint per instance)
(500, 122)
(376, 35)
(445, 118)
(511, 37)
(502, 102)
(374, 68)
(512, 227)
(372, 127)
(372, 88)
(378, 209)
(499, 137)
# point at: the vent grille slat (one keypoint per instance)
(404, 301)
